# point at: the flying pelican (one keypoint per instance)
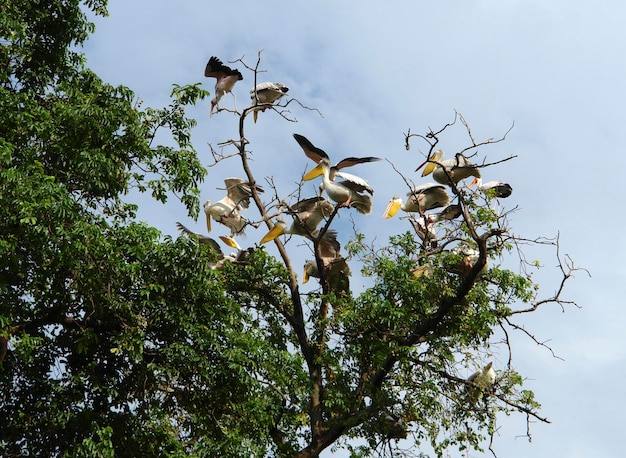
(307, 215)
(422, 198)
(266, 93)
(493, 188)
(347, 193)
(444, 171)
(214, 246)
(226, 78)
(317, 154)
(226, 210)
(201, 238)
(482, 380)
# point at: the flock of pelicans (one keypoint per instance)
(344, 189)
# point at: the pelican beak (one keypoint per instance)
(255, 115)
(430, 165)
(305, 276)
(231, 242)
(392, 207)
(208, 222)
(271, 235)
(314, 172)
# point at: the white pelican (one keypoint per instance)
(226, 211)
(317, 154)
(201, 238)
(483, 380)
(468, 259)
(337, 273)
(444, 171)
(493, 188)
(226, 78)
(307, 214)
(266, 93)
(422, 198)
(347, 192)
(213, 245)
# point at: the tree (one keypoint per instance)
(115, 340)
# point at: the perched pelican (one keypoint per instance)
(347, 192)
(395, 427)
(422, 198)
(307, 214)
(493, 188)
(226, 78)
(266, 93)
(317, 154)
(337, 272)
(444, 171)
(226, 211)
(469, 258)
(482, 380)
(451, 212)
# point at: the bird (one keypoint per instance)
(421, 198)
(214, 246)
(444, 171)
(482, 380)
(226, 210)
(266, 93)
(226, 78)
(317, 154)
(395, 427)
(337, 272)
(347, 193)
(469, 257)
(493, 188)
(307, 215)
(201, 238)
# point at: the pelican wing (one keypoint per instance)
(355, 183)
(202, 239)
(216, 69)
(312, 211)
(312, 152)
(350, 161)
(240, 191)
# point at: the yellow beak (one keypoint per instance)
(271, 235)
(430, 166)
(231, 242)
(314, 172)
(208, 222)
(392, 207)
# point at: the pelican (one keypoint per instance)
(317, 154)
(347, 193)
(395, 427)
(266, 93)
(214, 246)
(469, 257)
(226, 78)
(422, 198)
(201, 238)
(482, 381)
(444, 171)
(307, 215)
(337, 273)
(226, 211)
(493, 188)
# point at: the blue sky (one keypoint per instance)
(375, 69)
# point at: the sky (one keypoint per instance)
(553, 70)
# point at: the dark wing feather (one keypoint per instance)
(350, 161)
(312, 152)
